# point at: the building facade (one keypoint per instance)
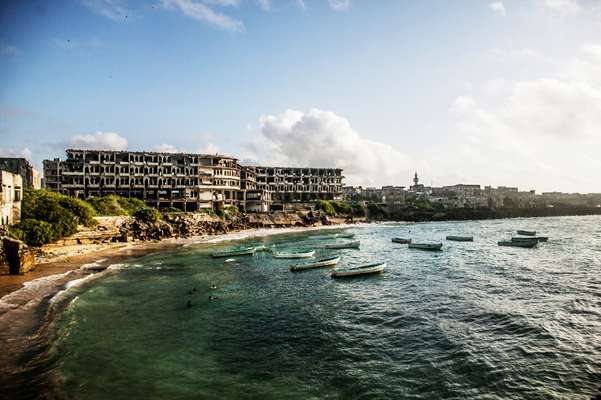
(185, 181)
(30, 176)
(189, 181)
(11, 192)
(295, 188)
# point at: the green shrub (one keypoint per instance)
(326, 207)
(341, 207)
(34, 232)
(107, 205)
(358, 209)
(131, 204)
(173, 210)
(147, 215)
(83, 211)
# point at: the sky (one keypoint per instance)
(501, 93)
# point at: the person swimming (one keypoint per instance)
(213, 286)
(211, 298)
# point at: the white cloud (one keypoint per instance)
(301, 4)
(99, 141)
(562, 6)
(115, 10)
(323, 139)
(264, 4)
(166, 148)
(547, 127)
(23, 153)
(498, 8)
(340, 5)
(202, 12)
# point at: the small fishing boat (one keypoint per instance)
(245, 251)
(426, 246)
(461, 238)
(401, 240)
(324, 262)
(348, 245)
(298, 254)
(529, 239)
(368, 269)
(526, 244)
(526, 233)
(345, 235)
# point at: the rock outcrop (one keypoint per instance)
(15, 257)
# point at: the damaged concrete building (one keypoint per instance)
(189, 181)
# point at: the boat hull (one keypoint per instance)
(369, 269)
(401, 240)
(524, 244)
(528, 239)
(350, 245)
(460, 238)
(526, 233)
(426, 246)
(234, 253)
(330, 262)
(308, 254)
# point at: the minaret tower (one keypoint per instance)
(415, 179)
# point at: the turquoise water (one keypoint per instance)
(473, 321)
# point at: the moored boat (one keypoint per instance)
(345, 235)
(296, 254)
(526, 244)
(368, 269)
(324, 262)
(461, 238)
(426, 246)
(347, 245)
(245, 251)
(401, 240)
(528, 239)
(526, 233)
(262, 247)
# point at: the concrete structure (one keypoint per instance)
(18, 165)
(190, 181)
(11, 193)
(181, 180)
(295, 188)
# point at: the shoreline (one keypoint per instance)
(29, 302)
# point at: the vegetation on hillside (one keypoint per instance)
(48, 216)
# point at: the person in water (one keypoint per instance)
(213, 298)
(213, 286)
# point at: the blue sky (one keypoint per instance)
(490, 92)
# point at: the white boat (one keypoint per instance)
(324, 262)
(348, 245)
(246, 251)
(306, 254)
(527, 233)
(426, 246)
(367, 269)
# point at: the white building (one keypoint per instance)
(11, 192)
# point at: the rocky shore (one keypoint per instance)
(16, 258)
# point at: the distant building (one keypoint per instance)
(11, 191)
(18, 165)
(295, 188)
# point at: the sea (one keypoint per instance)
(473, 321)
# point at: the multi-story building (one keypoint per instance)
(293, 188)
(18, 165)
(189, 181)
(11, 187)
(182, 180)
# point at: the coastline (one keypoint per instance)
(28, 303)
